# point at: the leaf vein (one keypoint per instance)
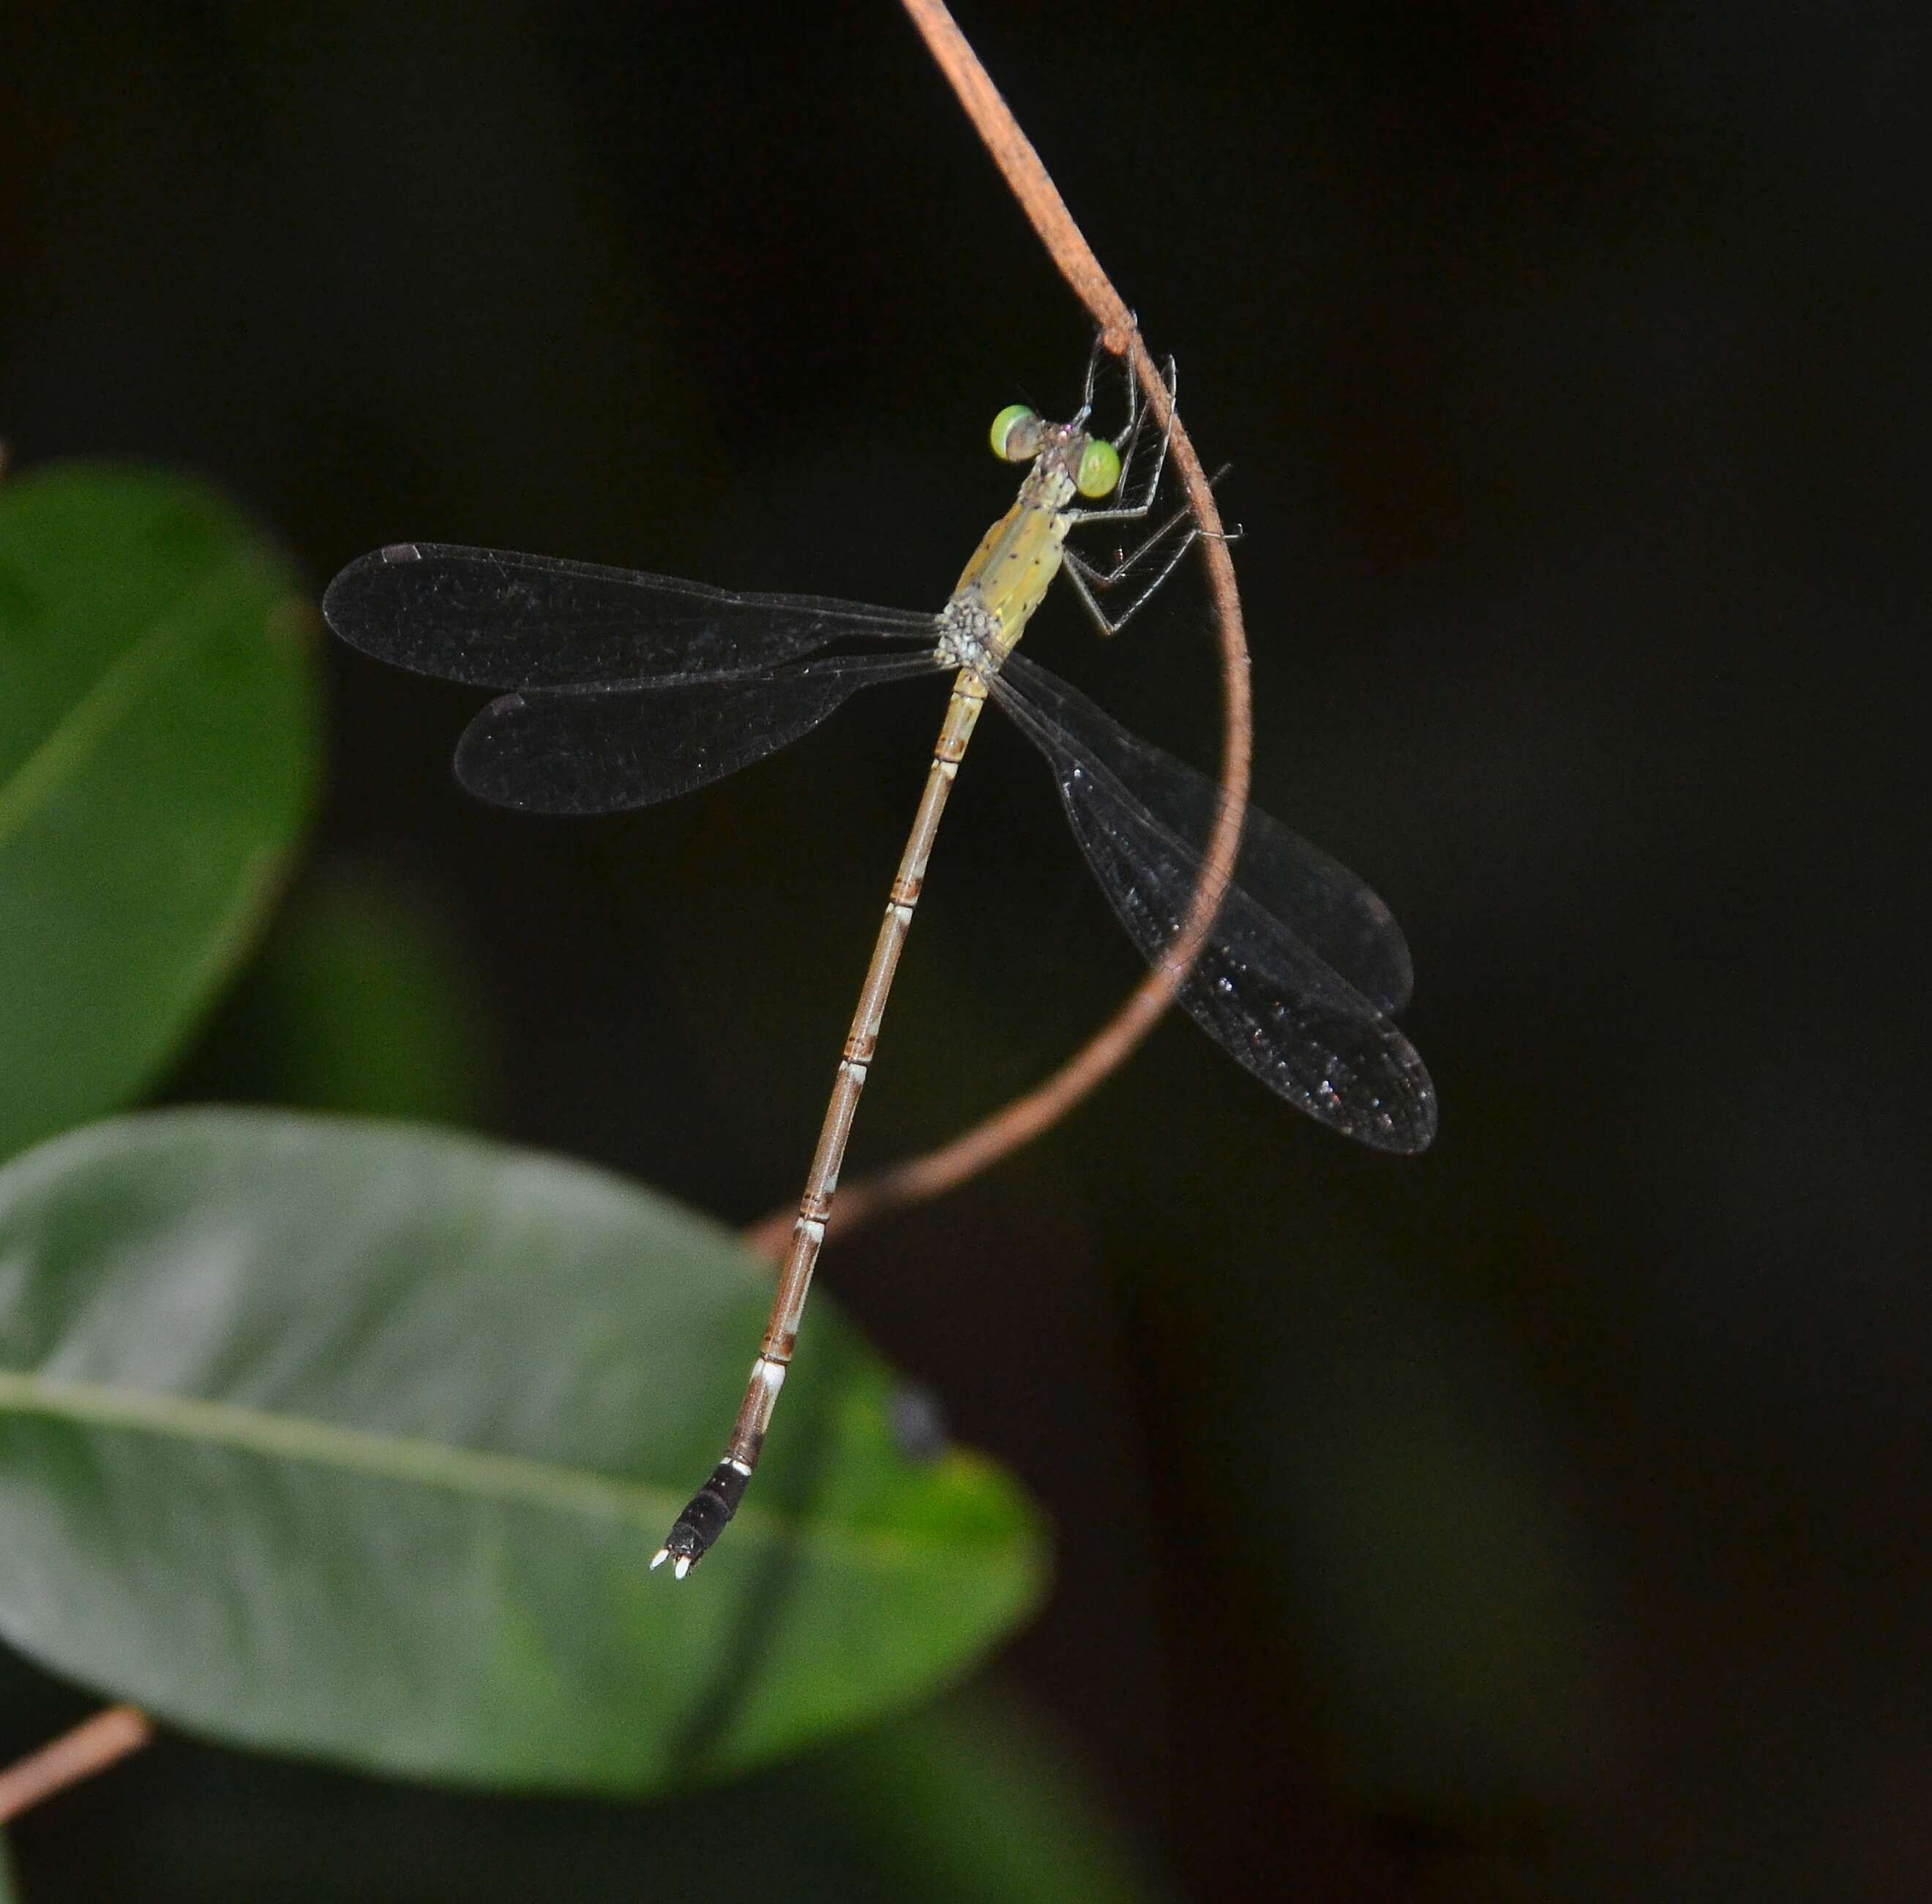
(330, 1444)
(88, 722)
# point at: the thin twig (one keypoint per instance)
(1023, 1119)
(92, 1746)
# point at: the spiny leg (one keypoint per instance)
(1125, 562)
(1083, 578)
(1125, 362)
(1087, 577)
(1125, 444)
(1094, 357)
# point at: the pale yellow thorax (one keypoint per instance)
(1009, 573)
(1019, 556)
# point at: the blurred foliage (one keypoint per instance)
(363, 1000)
(156, 751)
(972, 1801)
(981, 1798)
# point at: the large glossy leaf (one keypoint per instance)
(156, 748)
(356, 1440)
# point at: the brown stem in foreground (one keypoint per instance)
(91, 1746)
(1023, 1119)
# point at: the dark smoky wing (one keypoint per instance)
(1259, 989)
(566, 753)
(1330, 909)
(494, 618)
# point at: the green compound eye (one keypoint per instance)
(1100, 468)
(1016, 434)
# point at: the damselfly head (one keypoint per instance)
(1093, 464)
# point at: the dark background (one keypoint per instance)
(1545, 1518)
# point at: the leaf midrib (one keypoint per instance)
(405, 1459)
(330, 1444)
(72, 740)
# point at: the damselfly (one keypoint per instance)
(628, 688)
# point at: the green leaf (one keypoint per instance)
(976, 1801)
(361, 1000)
(157, 749)
(8, 1892)
(356, 1442)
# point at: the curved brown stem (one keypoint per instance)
(91, 1746)
(1024, 1119)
